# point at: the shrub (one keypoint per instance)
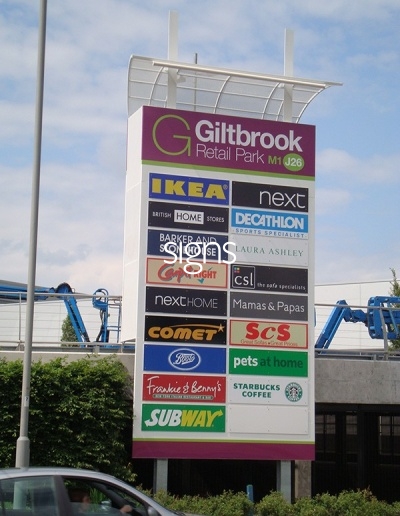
(80, 414)
(225, 504)
(273, 504)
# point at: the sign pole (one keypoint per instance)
(23, 445)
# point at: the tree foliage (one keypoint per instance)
(67, 331)
(80, 414)
(394, 291)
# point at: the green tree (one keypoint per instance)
(395, 291)
(80, 415)
(67, 331)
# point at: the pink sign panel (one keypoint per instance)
(170, 387)
(224, 142)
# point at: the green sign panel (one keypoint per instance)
(183, 418)
(263, 362)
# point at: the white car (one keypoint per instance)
(57, 491)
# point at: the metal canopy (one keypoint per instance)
(153, 82)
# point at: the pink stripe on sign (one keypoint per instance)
(222, 450)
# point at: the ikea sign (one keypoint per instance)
(190, 189)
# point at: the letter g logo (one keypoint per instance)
(162, 132)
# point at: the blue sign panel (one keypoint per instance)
(177, 240)
(188, 189)
(269, 223)
(194, 359)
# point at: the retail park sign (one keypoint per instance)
(209, 140)
(226, 343)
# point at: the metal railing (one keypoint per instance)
(351, 339)
(50, 314)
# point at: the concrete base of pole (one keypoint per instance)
(284, 479)
(160, 477)
(22, 452)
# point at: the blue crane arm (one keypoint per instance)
(16, 292)
(384, 311)
(73, 311)
(382, 319)
(341, 312)
(100, 301)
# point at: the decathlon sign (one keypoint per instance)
(269, 223)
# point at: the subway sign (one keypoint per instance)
(175, 418)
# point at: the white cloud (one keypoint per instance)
(84, 133)
(330, 200)
(341, 165)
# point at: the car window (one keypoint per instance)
(28, 496)
(94, 497)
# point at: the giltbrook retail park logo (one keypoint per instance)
(229, 140)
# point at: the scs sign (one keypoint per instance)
(268, 334)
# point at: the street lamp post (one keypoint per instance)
(23, 445)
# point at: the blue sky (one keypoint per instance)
(85, 115)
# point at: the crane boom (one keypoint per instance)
(382, 319)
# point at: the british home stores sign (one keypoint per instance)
(218, 283)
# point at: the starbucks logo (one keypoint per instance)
(293, 391)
